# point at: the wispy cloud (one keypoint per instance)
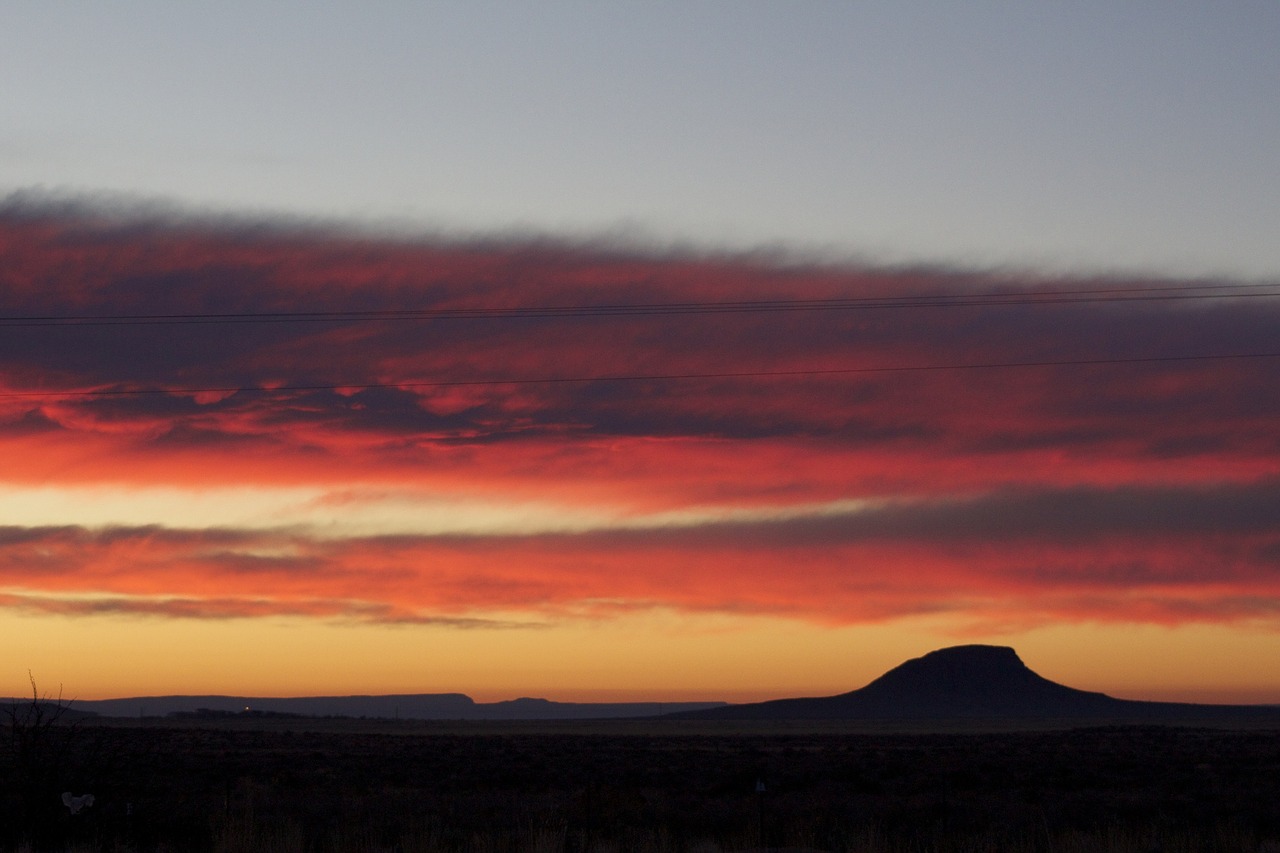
(987, 445)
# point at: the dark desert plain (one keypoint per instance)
(592, 427)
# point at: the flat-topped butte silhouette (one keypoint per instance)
(977, 682)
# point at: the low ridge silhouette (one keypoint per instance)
(975, 682)
(413, 706)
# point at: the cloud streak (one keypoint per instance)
(1167, 555)
(1110, 478)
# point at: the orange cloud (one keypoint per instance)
(1023, 557)
(1107, 477)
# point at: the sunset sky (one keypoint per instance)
(638, 350)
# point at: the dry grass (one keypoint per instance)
(218, 790)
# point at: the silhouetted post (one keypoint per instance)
(760, 812)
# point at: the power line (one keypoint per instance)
(655, 377)
(936, 300)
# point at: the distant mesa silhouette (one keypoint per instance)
(415, 706)
(977, 682)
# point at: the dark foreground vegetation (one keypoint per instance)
(636, 787)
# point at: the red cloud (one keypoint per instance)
(991, 560)
(1104, 402)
